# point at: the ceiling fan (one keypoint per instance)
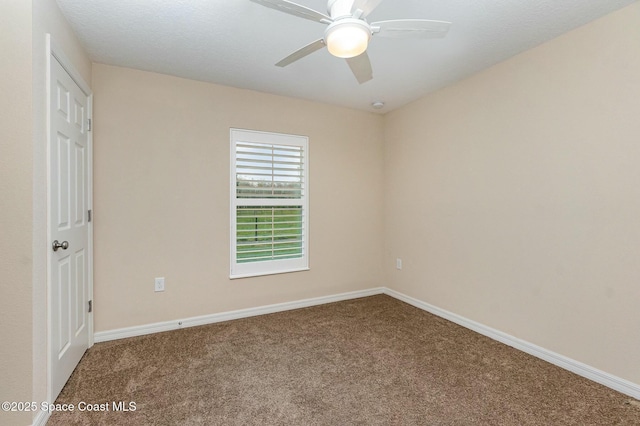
(348, 33)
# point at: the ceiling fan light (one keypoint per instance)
(347, 39)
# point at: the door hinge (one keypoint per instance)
(88, 124)
(90, 306)
(89, 216)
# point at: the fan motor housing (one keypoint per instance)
(339, 9)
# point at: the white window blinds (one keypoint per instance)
(269, 190)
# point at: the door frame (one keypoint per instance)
(54, 52)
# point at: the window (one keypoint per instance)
(269, 203)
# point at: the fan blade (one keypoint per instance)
(361, 67)
(366, 6)
(295, 10)
(411, 28)
(301, 53)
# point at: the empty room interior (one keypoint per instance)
(475, 191)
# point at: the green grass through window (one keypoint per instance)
(269, 233)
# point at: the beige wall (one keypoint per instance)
(161, 182)
(23, 246)
(16, 156)
(513, 199)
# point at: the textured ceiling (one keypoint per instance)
(237, 42)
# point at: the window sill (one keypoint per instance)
(260, 274)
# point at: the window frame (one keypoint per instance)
(267, 267)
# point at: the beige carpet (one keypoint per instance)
(370, 361)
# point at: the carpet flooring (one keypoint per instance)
(369, 361)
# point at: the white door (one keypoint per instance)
(68, 227)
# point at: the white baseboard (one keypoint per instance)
(41, 418)
(616, 383)
(140, 330)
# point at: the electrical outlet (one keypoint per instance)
(398, 263)
(159, 284)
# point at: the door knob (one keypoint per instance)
(63, 245)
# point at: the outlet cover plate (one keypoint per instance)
(159, 284)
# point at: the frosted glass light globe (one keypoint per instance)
(347, 38)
